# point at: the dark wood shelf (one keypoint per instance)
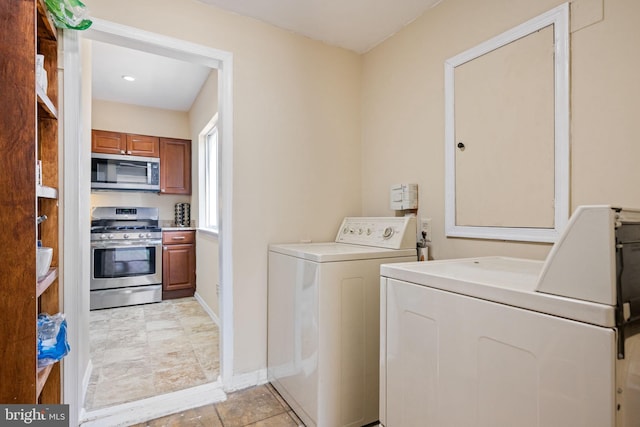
(47, 29)
(46, 281)
(30, 134)
(41, 377)
(45, 105)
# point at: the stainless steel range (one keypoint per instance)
(126, 257)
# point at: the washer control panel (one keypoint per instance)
(381, 232)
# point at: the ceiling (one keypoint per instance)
(166, 83)
(357, 25)
(161, 82)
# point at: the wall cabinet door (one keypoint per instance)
(143, 145)
(106, 142)
(178, 264)
(175, 166)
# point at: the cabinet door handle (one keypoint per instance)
(178, 238)
(164, 248)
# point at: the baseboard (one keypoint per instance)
(154, 407)
(246, 380)
(208, 309)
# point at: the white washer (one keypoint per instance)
(503, 342)
(324, 319)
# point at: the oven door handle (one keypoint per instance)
(126, 244)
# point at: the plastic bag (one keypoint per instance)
(52, 339)
(71, 14)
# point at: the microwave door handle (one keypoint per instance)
(132, 165)
(149, 173)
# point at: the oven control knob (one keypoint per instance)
(148, 235)
(103, 236)
(111, 236)
(125, 235)
(141, 235)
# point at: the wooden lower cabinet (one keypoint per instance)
(178, 264)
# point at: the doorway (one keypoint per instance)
(77, 212)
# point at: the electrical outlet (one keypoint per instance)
(425, 226)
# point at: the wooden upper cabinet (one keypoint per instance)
(143, 145)
(175, 166)
(108, 142)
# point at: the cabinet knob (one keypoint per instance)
(164, 248)
(129, 152)
(121, 151)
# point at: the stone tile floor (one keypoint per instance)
(259, 406)
(148, 350)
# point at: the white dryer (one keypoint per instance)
(503, 342)
(324, 319)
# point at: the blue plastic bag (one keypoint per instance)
(52, 339)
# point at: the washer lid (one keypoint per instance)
(508, 281)
(333, 252)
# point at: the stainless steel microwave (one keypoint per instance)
(124, 173)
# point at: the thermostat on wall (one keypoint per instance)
(404, 196)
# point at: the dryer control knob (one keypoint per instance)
(387, 233)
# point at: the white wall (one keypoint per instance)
(296, 147)
(403, 107)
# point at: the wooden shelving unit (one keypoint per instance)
(28, 134)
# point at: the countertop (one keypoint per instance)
(176, 228)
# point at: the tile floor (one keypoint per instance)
(148, 350)
(259, 406)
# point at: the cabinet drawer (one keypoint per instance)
(178, 237)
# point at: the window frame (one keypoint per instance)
(204, 178)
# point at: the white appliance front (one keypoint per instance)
(452, 360)
(323, 328)
(503, 342)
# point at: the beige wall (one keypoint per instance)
(403, 108)
(208, 270)
(126, 118)
(203, 109)
(296, 141)
(320, 133)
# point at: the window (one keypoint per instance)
(209, 176)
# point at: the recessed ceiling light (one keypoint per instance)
(128, 78)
